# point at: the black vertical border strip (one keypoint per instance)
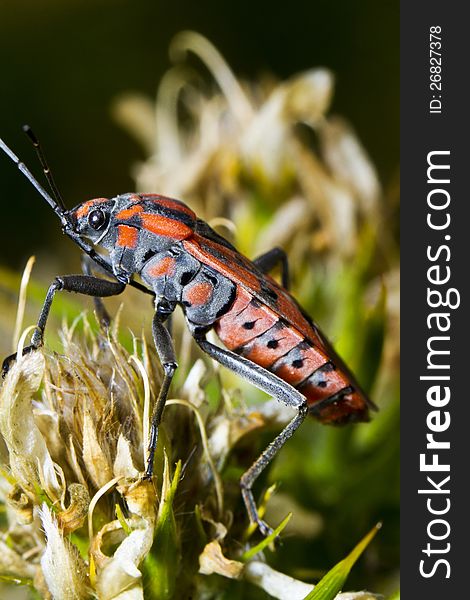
(422, 132)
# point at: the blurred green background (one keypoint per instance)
(64, 62)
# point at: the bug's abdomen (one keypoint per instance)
(256, 332)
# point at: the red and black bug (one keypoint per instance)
(182, 261)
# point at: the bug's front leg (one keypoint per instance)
(89, 266)
(279, 389)
(104, 318)
(81, 284)
(166, 354)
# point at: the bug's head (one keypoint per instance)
(90, 220)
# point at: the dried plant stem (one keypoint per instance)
(146, 413)
(22, 300)
(205, 444)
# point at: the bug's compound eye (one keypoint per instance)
(97, 219)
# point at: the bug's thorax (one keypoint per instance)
(132, 228)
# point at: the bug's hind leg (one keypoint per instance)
(270, 259)
(279, 389)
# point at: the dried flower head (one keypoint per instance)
(80, 518)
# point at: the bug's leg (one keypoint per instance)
(279, 389)
(169, 325)
(270, 259)
(81, 284)
(167, 356)
(88, 265)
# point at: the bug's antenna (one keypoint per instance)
(57, 208)
(45, 166)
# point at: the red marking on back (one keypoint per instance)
(127, 236)
(127, 213)
(165, 266)
(198, 294)
(227, 265)
(87, 206)
(170, 203)
(164, 226)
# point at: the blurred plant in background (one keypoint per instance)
(266, 164)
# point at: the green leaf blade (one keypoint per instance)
(332, 583)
